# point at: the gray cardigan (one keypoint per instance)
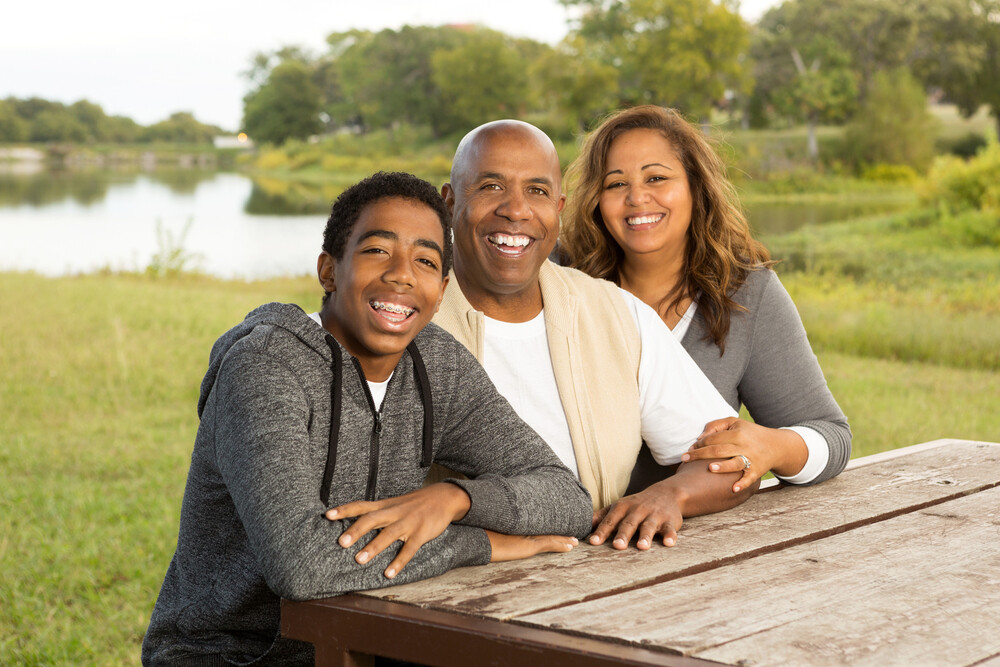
(252, 526)
(768, 366)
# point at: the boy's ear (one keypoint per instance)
(448, 195)
(325, 266)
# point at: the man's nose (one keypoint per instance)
(514, 206)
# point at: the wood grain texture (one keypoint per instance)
(767, 522)
(917, 589)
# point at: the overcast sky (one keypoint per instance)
(148, 60)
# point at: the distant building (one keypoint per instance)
(22, 154)
(240, 140)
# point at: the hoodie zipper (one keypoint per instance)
(373, 443)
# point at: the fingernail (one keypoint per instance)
(714, 466)
(619, 542)
(736, 489)
(331, 514)
(669, 541)
(594, 539)
(685, 457)
(362, 557)
(390, 573)
(574, 540)
(642, 543)
(345, 540)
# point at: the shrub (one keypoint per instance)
(890, 173)
(955, 185)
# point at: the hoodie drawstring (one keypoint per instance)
(425, 397)
(336, 391)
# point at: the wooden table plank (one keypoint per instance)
(767, 522)
(924, 589)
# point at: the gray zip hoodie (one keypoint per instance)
(268, 461)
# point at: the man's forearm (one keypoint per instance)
(699, 491)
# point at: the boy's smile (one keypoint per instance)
(388, 284)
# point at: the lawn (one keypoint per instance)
(99, 379)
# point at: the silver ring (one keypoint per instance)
(746, 461)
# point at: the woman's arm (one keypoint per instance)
(799, 431)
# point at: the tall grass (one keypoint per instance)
(99, 379)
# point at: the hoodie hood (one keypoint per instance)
(285, 316)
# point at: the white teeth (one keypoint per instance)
(643, 220)
(392, 308)
(513, 241)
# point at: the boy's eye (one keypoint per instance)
(373, 250)
(428, 262)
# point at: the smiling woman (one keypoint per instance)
(653, 211)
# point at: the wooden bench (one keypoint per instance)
(895, 561)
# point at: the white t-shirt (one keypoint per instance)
(376, 388)
(816, 445)
(517, 359)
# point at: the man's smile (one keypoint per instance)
(510, 244)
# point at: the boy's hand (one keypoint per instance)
(516, 547)
(414, 518)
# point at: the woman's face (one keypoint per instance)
(645, 198)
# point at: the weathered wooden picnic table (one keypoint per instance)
(894, 562)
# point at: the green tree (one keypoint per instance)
(680, 53)
(581, 89)
(387, 77)
(971, 77)
(482, 80)
(894, 125)
(181, 127)
(285, 106)
(57, 124)
(12, 127)
(802, 74)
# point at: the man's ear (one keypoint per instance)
(562, 202)
(325, 267)
(448, 194)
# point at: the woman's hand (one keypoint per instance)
(414, 518)
(516, 547)
(748, 448)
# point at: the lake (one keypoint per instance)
(68, 222)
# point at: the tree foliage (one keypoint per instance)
(893, 125)
(286, 105)
(680, 53)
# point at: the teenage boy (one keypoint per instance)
(316, 435)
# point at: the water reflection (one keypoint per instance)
(30, 184)
(65, 222)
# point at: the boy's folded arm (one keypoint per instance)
(519, 486)
(262, 451)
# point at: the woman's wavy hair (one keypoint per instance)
(720, 251)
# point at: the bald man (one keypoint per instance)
(586, 364)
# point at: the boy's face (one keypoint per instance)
(388, 284)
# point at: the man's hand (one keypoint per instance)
(516, 547)
(654, 511)
(414, 518)
(740, 442)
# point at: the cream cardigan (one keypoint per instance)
(595, 349)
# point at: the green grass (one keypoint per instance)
(99, 379)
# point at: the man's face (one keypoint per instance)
(505, 201)
(388, 284)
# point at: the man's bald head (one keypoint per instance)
(505, 196)
(469, 148)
